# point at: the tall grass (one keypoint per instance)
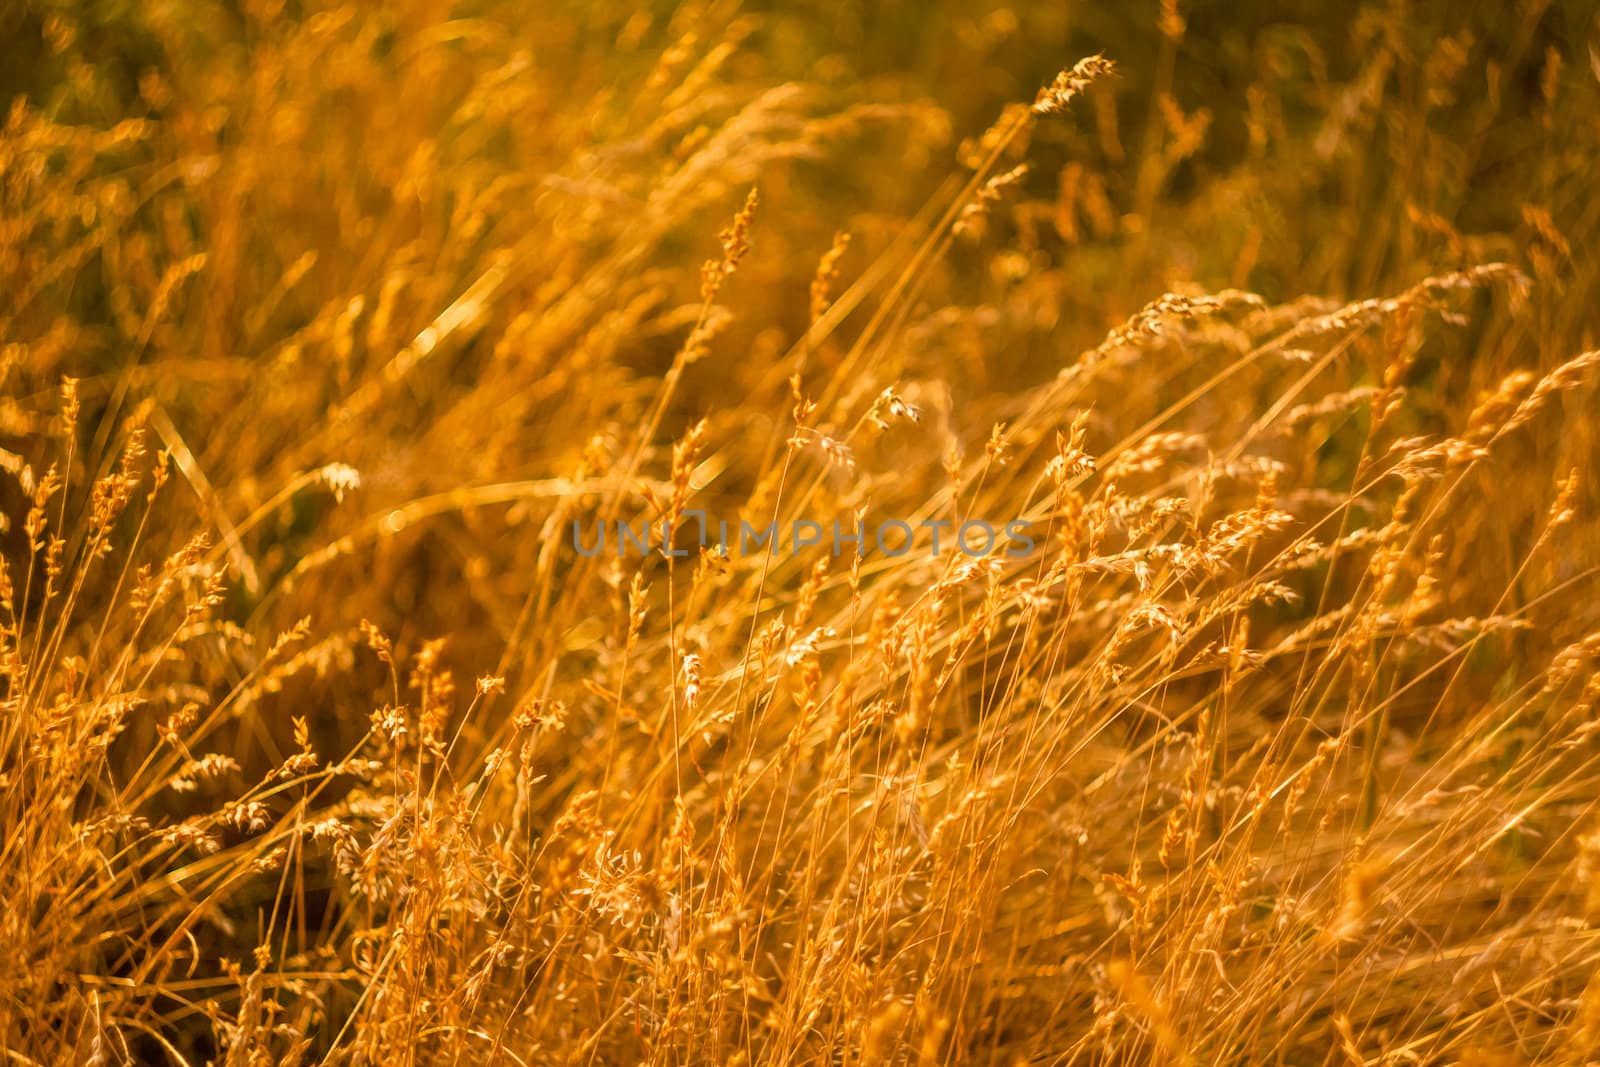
(323, 326)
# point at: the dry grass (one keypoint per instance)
(323, 325)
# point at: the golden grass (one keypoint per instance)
(323, 325)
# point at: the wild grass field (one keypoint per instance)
(332, 332)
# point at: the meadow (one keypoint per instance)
(331, 332)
